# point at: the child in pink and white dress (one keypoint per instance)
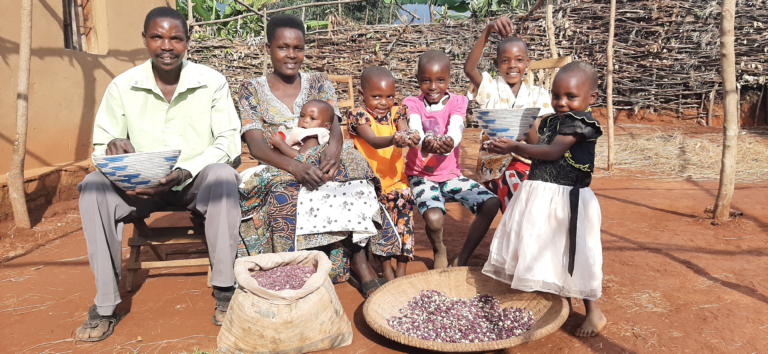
(549, 236)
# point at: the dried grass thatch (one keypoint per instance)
(675, 155)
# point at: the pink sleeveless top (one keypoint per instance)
(437, 168)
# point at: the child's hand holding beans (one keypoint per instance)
(401, 139)
(503, 26)
(502, 146)
(414, 138)
(443, 145)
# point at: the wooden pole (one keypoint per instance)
(190, 18)
(609, 87)
(16, 174)
(711, 105)
(391, 7)
(759, 102)
(303, 11)
(551, 31)
(264, 62)
(766, 109)
(366, 16)
(730, 104)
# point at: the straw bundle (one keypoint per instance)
(683, 156)
(465, 282)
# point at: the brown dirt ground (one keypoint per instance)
(672, 281)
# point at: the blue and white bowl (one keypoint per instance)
(137, 170)
(507, 123)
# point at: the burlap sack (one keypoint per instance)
(289, 321)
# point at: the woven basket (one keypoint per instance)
(508, 123)
(549, 310)
(137, 170)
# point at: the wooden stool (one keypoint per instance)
(159, 237)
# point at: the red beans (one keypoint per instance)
(291, 277)
(434, 316)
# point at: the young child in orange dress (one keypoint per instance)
(380, 131)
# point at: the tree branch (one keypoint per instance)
(254, 13)
(406, 10)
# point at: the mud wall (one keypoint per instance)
(66, 86)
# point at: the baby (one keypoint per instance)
(312, 130)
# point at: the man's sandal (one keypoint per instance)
(223, 299)
(366, 287)
(94, 321)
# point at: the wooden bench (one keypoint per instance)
(159, 238)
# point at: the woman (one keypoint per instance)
(269, 197)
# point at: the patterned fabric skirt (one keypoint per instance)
(268, 206)
(399, 205)
(505, 186)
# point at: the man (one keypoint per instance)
(166, 103)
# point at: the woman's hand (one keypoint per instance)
(330, 162)
(309, 176)
(502, 146)
(503, 26)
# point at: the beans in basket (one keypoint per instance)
(432, 315)
(290, 277)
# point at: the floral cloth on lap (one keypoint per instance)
(339, 206)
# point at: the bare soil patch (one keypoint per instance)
(672, 281)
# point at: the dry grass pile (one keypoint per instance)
(682, 156)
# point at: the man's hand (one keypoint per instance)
(503, 26)
(166, 183)
(119, 147)
(502, 146)
(309, 176)
(330, 162)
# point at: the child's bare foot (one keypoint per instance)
(592, 325)
(441, 256)
(433, 217)
(386, 268)
(402, 264)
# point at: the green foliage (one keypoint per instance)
(354, 12)
(458, 9)
(209, 10)
(316, 17)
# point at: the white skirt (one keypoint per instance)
(530, 246)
